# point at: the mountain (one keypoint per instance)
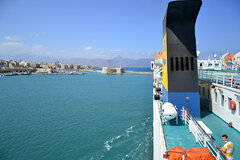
(115, 62)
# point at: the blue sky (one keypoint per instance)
(108, 28)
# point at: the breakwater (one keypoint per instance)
(124, 72)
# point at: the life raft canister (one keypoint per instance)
(232, 105)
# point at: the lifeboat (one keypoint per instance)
(169, 111)
(179, 153)
(158, 59)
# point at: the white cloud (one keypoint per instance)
(116, 50)
(10, 44)
(16, 48)
(11, 38)
(37, 34)
(38, 47)
(100, 55)
(88, 48)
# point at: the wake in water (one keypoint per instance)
(137, 139)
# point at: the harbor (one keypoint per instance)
(120, 80)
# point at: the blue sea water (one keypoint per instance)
(137, 69)
(76, 117)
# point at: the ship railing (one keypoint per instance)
(159, 136)
(157, 75)
(200, 135)
(226, 78)
(163, 145)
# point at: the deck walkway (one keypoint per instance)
(179, 135)
(220, 127)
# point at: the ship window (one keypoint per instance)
(215, 97)
(200, 64)
(192, 64)
(187, 63)
(222, 101)
(171, 61)
(229, 99)
(177, 64)
(182, 64)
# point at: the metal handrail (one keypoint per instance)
(188, 115)
(230, 79)
(158, 79)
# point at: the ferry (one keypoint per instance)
(192, 107)
(227, 62)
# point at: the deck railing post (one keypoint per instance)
(218, 156)
(211, 76)
(185, 114)
(202, 137)
(232, 80)
(205, 141)
(224, 79)
(217, 79)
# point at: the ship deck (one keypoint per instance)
(220, 127)
(179, 135)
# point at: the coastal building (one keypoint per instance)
(58, 66)
(109, 70)
(76, 66)
(2, 63)
(24, 64)
(13, 64)
(44, 71)
(45, 66)
(70, 66)
(35, 65)
(64, 66)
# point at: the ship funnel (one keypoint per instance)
(180, 76)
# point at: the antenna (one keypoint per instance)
(198, 53)
(215, 56)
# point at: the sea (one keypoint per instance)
(76, 117)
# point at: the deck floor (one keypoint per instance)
(220, 127)
(179, 135)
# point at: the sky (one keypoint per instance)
(108, 28)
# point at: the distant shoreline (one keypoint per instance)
(140, 73)
(80, 73)
(125, 72)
